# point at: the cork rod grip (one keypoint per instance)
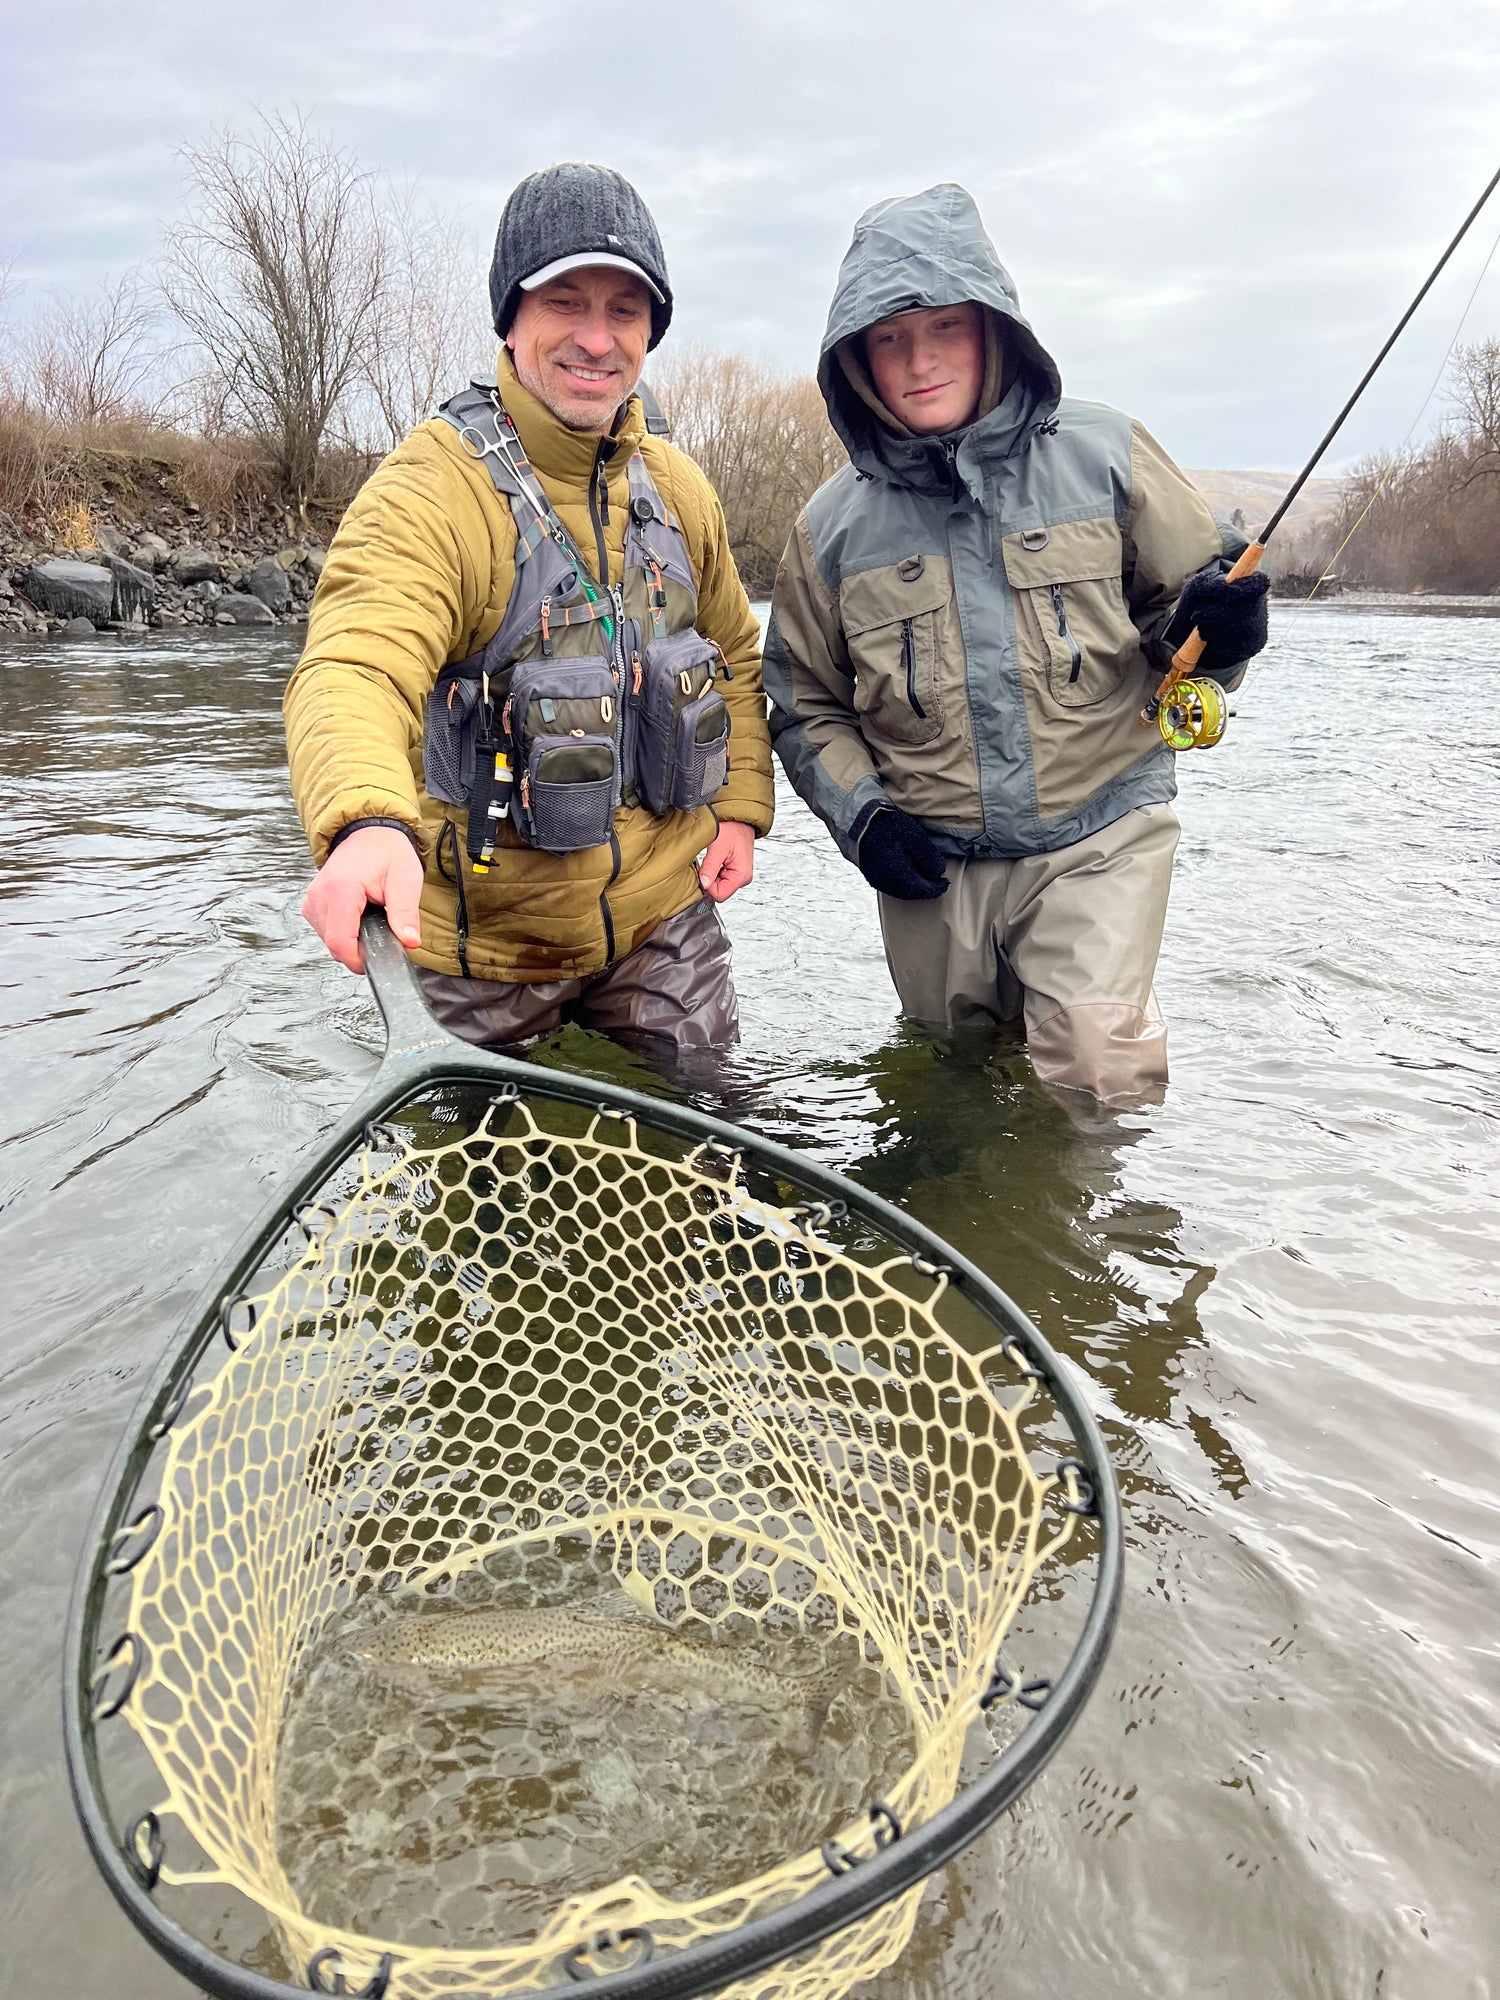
(1190, 652)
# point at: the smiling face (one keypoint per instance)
(928, 366)
(579, 344)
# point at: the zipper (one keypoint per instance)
(909, 663)
(599, 514)
(604, 909)
(449, 833)
(599, 509)
(1064, 632)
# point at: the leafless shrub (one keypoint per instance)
(88, 358)
(279, 275)
(763, 439)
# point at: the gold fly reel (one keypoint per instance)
(1193, 715)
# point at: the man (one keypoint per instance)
(468, 725)
(967, 621)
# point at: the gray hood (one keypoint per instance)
(916, 251)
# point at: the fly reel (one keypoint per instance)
(1193, 715)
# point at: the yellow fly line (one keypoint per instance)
(512, 1337)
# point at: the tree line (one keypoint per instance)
(1423, 518)
(305, 312)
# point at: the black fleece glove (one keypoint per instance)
(897, 858)
(1231, 617)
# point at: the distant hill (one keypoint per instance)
(1258, 494)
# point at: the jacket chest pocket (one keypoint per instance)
(894, 621)
(1073, 633)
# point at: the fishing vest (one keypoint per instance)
(590, 695)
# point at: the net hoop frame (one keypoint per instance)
(420, 1055)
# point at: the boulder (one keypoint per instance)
(289, 558)
(77, 628)
(110, 540)
(313, 560)
(268, 582)
(69, 589)
(135, 592)
(238, 607)
(196, 566)
(150, 552)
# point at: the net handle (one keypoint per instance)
(410, 1026)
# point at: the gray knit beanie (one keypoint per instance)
(567, 211)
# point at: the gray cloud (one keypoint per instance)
(1213, 218)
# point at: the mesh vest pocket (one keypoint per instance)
(702, 762)
(448, 741)
(563, 721)
(566, 797)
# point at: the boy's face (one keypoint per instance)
(579, 343)
(928, 366)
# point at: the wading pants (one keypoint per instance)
(1066, 942)
(672, 992)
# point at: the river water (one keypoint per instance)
(1280, 1283)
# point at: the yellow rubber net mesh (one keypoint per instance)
(515, 1339)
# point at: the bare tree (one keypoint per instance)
(432, 325)
(279, 274)
(87, 358)
(1474, 394)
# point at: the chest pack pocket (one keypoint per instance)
(561, 719)
(588, 696)
(682, 743)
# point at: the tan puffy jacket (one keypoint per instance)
(419, 574)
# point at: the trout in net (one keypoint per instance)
(513, 1347)
(621, 1654)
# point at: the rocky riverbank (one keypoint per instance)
(133, 578)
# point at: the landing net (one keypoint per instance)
(538, 1336)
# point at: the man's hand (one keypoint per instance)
(374, 865)
(729, 862)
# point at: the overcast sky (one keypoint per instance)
(1213, 213)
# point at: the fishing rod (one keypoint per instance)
(1191, 714)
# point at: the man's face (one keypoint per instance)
(579, 344)
(928, 366)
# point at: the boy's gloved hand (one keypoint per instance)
(897, 858)
(1231, 616)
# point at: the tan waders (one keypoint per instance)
(674, 991)
(1066, 941)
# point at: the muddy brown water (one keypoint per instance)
(1280, 1283)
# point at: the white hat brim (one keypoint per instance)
(582, 260)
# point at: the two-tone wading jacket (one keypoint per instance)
(965, 627)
